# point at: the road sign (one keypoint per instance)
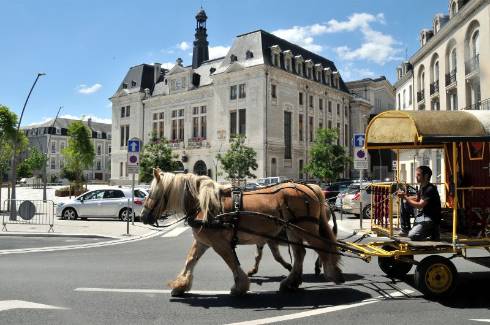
(394, 165)
(134, 146)
(360, 158)
(359, 139)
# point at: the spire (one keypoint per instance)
(201, 51)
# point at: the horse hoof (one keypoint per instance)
(177, 292)
(237, 293)
(251, 272)
(288, 286)
(339, 278)
(289, 267)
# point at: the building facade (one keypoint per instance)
(447, 73)
(371, 97)
(51, 139)
(269, 90)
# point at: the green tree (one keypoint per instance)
(157, 153)
(79, 153)
(24, 170)
(8, 135)
(239, 160)
(36, 159)
(327, 158)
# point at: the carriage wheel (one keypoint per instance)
(436, 276)
(394, 268)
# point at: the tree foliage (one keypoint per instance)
(157, 153)
(327, 158)
(79, 153)
(239, 160)
(8, 136)
(33, 163)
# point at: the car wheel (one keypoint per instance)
(70, 214)
(366, 212)
(124, 215)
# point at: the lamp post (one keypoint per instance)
(45, 172)
(13, 177)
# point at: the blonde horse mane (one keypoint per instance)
(201, 188)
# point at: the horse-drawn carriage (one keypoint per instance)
(463, 137)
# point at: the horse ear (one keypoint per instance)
(156, 173)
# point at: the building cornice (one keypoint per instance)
(453, 24)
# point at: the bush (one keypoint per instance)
(74, 189)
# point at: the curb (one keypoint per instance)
(43, 234)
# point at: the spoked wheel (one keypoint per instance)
(436, 276)
(69, 214)
(395, 268)
(125, 214)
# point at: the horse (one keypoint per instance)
(207, 204)
(274, 244)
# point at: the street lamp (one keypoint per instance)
(13, 175)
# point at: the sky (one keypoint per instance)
(85, 47)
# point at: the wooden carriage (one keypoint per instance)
(464, 139)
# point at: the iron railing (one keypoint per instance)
(483, 105)
(434, 87)
(451, 77)
(30, 212)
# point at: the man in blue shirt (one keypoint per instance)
(428, 203)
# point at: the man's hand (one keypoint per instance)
(401, 194)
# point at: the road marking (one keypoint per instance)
(320, 311)
(481, 320)
(197, 292)
(21, 304)
(175, 232)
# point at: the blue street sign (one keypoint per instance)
(134, 145)
(359, 139)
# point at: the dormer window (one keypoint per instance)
(233, 58)
(212, 70)
(287, 55)
(328, 75)
(276, 55)
(299, 65)
(133, 83)
(124, 85)
(309, 69)
(249, 55)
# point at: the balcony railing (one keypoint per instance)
(420, 96)
(175, 144)
(483, 105)
(472, 64)
(195, 143)
(434, 87)
(451, 77)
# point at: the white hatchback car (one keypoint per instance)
(103, 203)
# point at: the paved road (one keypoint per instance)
(62, 279)
(17, 242)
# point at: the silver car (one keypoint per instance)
(103, 203)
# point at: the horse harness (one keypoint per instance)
(231, 220)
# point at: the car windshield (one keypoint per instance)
(353, 189)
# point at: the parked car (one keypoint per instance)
(252, 186)
(103, 203)
(271, 180)
(333, 189)
(339, 198)
(353, 196)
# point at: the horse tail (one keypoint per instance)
(326, 212)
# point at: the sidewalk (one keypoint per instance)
(81, 228)
(350, 223)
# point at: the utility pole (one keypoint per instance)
(13, 175)
(45, 176)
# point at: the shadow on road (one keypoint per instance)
(307, 278)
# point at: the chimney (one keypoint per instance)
(89, 122)
(157, 69)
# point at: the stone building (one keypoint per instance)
(272, 91)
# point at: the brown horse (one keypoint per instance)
(203, 200)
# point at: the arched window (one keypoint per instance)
(475, 44)
(436, 71)
(452, 60)
(454, 9)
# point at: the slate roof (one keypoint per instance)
(142, 75)
(63, 123)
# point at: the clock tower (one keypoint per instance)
(201, 51)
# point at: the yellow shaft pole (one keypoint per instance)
(455, 201)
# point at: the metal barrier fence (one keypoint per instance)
(31, 212)
(382, 208)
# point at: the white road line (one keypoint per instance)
(320, 311)
(175, 232)
(21, 304)
(197, 292)
(481, 320)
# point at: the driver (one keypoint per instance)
(428, 202)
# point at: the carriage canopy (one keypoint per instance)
(404, 129)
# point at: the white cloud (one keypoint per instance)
(43, 120)
(350, 72)
(377, 46)
(86, 90)
(218, 51)
(303, 36)
(86, 117)
(184, 46)
(168, 65)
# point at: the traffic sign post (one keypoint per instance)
(360, 163)
(133, 164)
